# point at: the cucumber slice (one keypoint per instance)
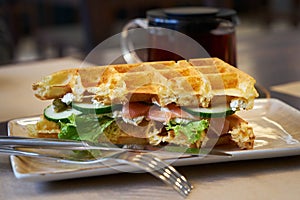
(213, 112)
(52, 115)
(89, 108)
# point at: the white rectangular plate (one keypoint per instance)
(275, 125)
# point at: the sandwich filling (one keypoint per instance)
(144, 123)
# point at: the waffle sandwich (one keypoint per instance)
(184, 103)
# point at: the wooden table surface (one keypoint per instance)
(272, 58)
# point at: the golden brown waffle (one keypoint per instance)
(228, 80)
(193, 82)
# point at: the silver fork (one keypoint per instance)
(144, 161)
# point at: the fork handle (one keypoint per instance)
(16, 152)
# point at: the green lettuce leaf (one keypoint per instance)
(87, 128)
(193, 130)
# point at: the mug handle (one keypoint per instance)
(127, 47)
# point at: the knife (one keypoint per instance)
(47, 143)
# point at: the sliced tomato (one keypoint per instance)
(135, 109)
(164, 115)
(178, 112)
(156, 114)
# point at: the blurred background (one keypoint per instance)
(40, 29)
